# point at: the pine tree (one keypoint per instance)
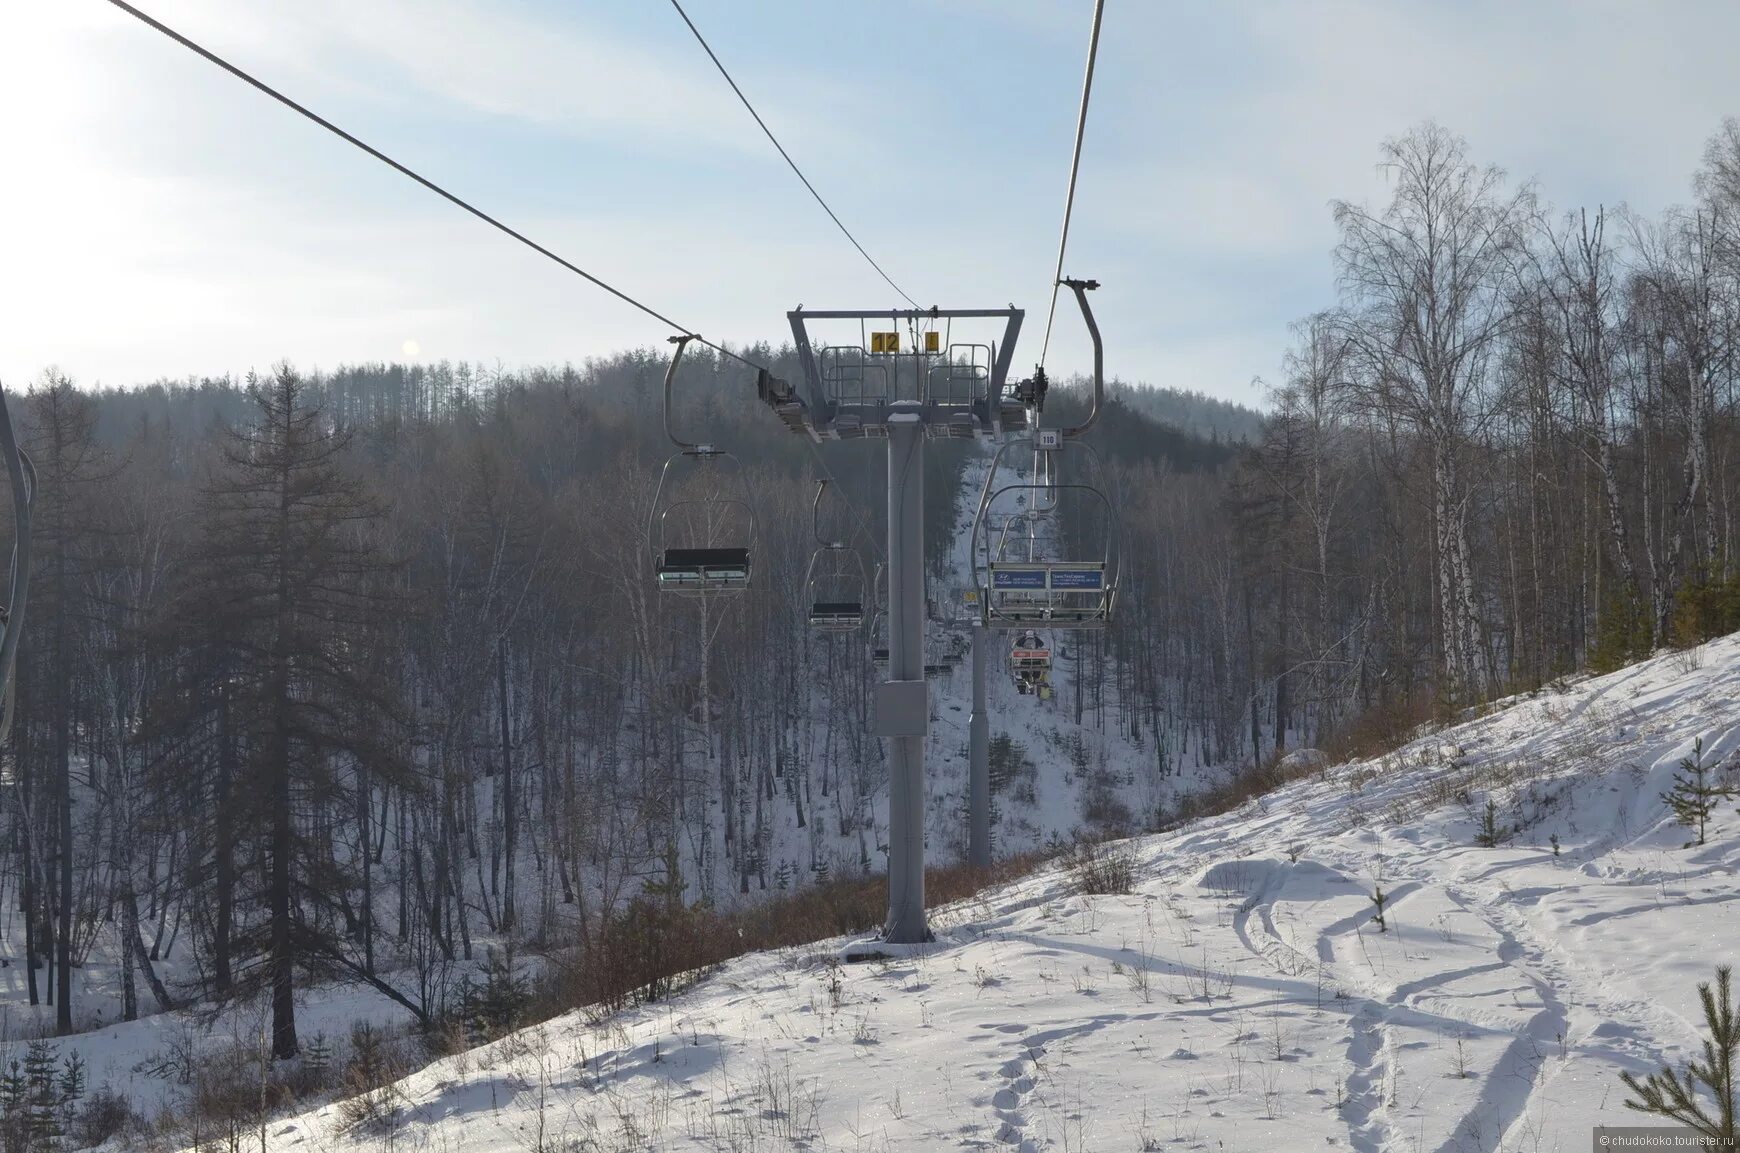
(14, 1088)
(43, 1110)
(317, 1060)
(1695, 792)
(1677, 1095)
(14, 1108)
(71, 1089)
(1491, 834)
(498, 1004)
(372, 1065)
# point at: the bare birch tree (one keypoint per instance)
(1426, 282)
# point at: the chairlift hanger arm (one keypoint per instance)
(682, 342)
(816, 518)
(1081, 288)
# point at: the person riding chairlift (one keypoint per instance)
(1032, 677)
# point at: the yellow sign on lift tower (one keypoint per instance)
(933, 341)
(884, 342)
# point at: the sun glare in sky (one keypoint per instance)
(411, 349)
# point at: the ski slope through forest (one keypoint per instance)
(1545, 927)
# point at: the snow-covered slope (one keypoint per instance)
(1240, 997)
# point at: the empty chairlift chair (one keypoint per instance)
(834, 583)
(835, 590)
(703, 523)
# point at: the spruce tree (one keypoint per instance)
(1695, 792)
(70, 1089)
(14, 1108)
(43, 1109)
(496, 1006)
(1490, 834)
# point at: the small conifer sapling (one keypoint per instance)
(1695, 793)
(1688, 1097)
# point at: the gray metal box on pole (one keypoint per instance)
(979, 757)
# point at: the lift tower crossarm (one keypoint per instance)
(861, 411)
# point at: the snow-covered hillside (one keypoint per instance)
(1241, 996)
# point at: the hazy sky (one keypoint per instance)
(159, 218)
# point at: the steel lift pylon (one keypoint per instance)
(906, 383)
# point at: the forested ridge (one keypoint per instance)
(333, 674)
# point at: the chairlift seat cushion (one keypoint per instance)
(702, 570)
(705, 558)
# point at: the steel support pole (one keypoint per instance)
(906, 921)
(979, 760)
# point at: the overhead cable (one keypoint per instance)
(1087, 86)
(420, 179)
(768, 132)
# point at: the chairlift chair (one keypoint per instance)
(834, 583)
(1025, 576)
(1023, 568)
(702, 526)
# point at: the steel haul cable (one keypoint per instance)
(304, 111)
(262, 86)
(768, 132)
(1087, 86)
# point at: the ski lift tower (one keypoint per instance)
(902, 377)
